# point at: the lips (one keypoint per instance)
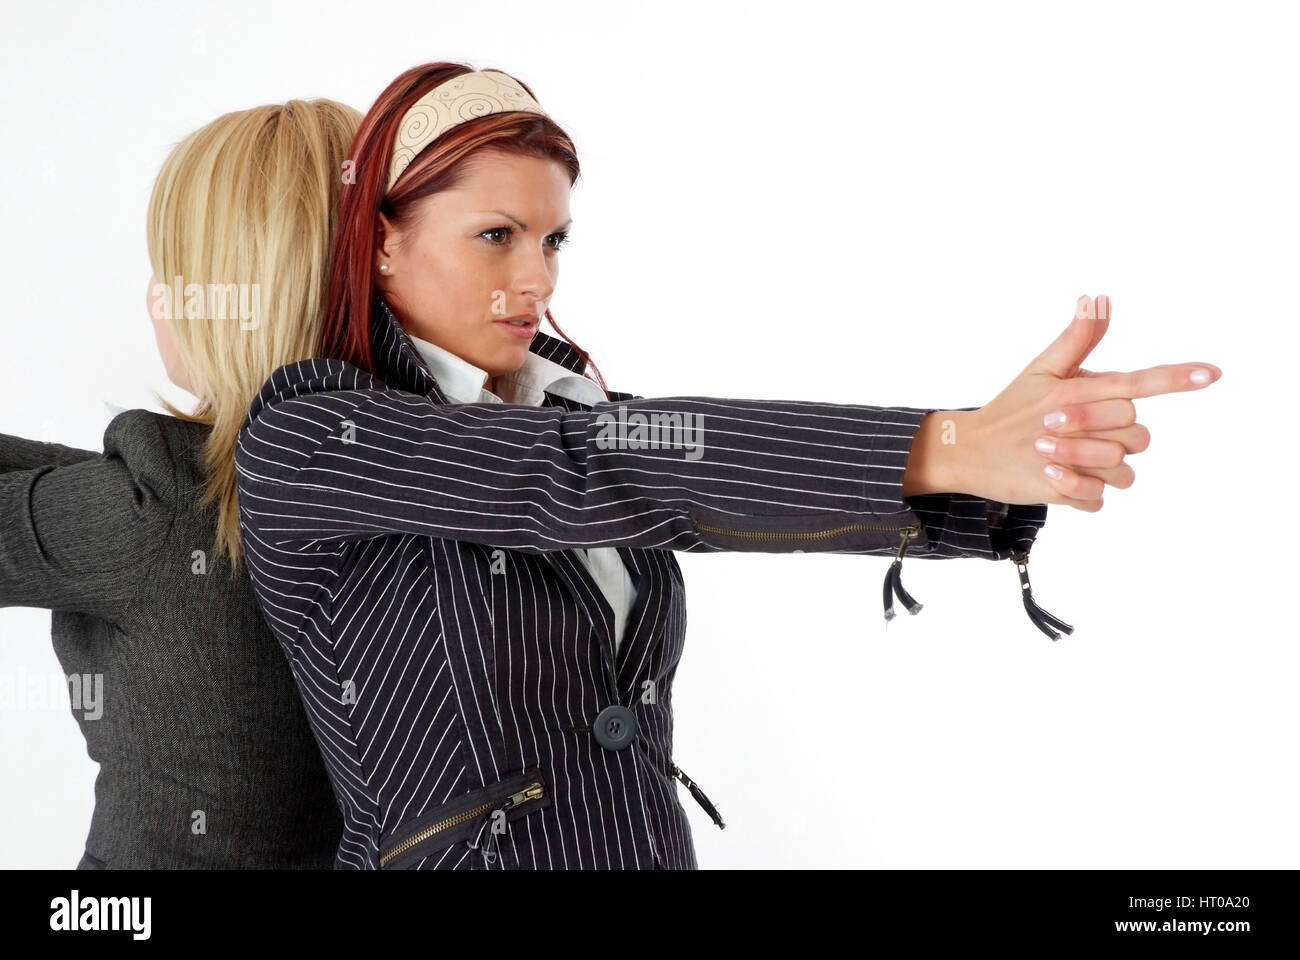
(524, 325)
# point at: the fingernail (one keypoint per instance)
(1054, 419)
(1083, 307)
(1103, 307)
(1045, 445)
(1199, 375)
(1053, 471)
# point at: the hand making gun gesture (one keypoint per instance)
(1057, 434)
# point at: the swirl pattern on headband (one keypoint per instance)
(459, 99)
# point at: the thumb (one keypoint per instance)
(1072, 347)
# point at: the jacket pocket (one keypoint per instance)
(476, 818)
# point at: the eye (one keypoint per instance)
(558, 240)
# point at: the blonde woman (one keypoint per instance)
(206, 756)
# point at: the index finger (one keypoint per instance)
(1151, 382)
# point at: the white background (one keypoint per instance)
(876, 203)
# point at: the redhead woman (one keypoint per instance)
(206, 757)
(466, 546)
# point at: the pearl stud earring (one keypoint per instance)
(383, 268)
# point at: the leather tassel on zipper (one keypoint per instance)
(698, 794)
(1043, 620)
(894, 583)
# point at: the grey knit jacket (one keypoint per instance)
(182, 693)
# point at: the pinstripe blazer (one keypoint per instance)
(414, 559)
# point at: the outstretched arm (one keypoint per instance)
(19, 453)
(79, 533)
(329, 453)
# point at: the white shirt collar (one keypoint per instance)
(462, 382)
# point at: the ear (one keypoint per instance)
(388, 238)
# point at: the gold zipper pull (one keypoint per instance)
(1037, 614)
(893, 577)
(491, 848)
(530, 792)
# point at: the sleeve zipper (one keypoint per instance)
(1036, 613)
(893, 585)
(1043, 620)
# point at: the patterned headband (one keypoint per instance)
(461, 98)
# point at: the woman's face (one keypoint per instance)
(477, 255)
(162, 333)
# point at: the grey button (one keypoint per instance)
(615, 727)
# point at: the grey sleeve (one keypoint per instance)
(19, 453)
(80, 536)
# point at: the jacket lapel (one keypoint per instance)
(650, 572)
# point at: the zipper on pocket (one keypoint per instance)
(532, 791)
(697, 793)
(1037, 614)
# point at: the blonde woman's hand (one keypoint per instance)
(995, 454)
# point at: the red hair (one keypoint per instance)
(439, 166)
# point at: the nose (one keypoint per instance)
(534, 280)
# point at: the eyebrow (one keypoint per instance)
(523, 226)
